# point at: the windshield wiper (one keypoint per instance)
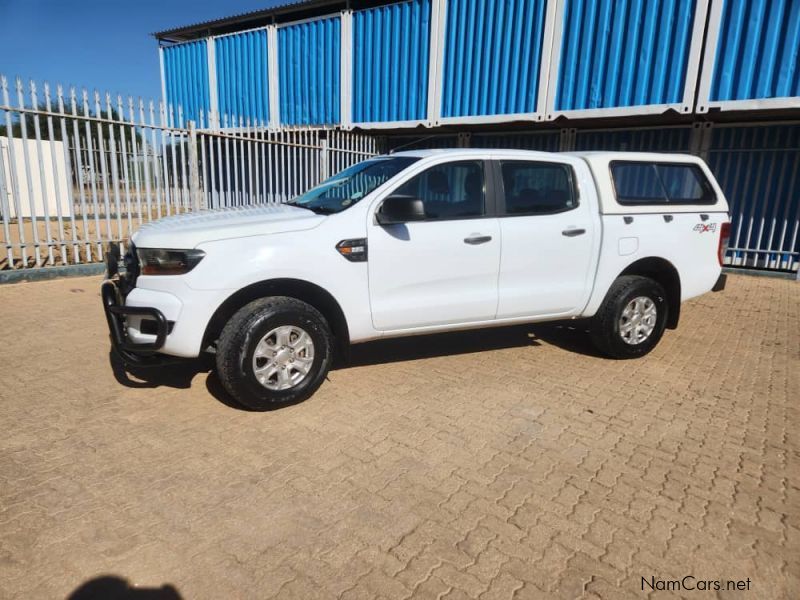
(322, 210)
(319, 210)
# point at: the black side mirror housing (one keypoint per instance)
(400, 209)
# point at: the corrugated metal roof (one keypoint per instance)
(247, 19)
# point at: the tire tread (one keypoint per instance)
(603, 323)
(234, 335)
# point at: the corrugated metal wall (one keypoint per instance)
(242, 75)
(758, 168)
(545, 141)
(665, 139)
(492, 57)
(391, 46)
(186, 78)
(623, 53)
(758, 50)
(309, 72)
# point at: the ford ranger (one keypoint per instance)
(420, 242)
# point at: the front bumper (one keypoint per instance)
(116, 312)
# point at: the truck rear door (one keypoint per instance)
(549, 226)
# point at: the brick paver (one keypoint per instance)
(495, 464)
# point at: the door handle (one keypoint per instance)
(474, 240)
(573, 232)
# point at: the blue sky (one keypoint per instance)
(102, 44)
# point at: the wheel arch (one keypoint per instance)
(665, 273)
(308, 292)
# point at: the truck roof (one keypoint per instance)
(594, 154)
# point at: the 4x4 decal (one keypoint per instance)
(702, 227)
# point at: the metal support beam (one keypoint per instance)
(273, 75)
(213, 100)
(196, 194)
(346, 66)
(436, 60)
(566, 142)
(163, 75)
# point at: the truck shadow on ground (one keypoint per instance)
(570, 336)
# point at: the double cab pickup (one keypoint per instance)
(420, 242)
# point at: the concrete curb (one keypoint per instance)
(18, 276)
(760, 273)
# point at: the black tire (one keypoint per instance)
(240, 337)
(605, 327)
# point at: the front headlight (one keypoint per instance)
(159, 261)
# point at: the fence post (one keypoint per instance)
(323, 159)
(198, 198)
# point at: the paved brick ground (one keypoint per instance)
(496, 464)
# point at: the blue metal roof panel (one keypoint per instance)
(391, 46)
(758, 50)
(492, 55)
(617, 53)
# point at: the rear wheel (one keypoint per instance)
(632, 318)
(274, 351)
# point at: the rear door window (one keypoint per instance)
(537, 188)
(646, 183)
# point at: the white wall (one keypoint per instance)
(45, 203)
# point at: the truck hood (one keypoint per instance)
(190, 229)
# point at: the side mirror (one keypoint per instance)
(400, 209)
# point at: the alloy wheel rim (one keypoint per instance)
(638, 320)
(283, 358)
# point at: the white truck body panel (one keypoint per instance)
(421, 276)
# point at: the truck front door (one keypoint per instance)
(441, 270)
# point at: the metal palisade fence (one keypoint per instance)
(80, 170)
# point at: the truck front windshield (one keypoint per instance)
(349, 186)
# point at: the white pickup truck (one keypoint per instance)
(421, 242)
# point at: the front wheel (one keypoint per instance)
(632, 318)
(274, 351)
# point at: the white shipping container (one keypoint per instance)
(33, 200)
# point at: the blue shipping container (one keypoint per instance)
(623, 53)
(242, 76)
(186, 79)
(492, 55)
(309, 57)
(391, 46)
(758, 50)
